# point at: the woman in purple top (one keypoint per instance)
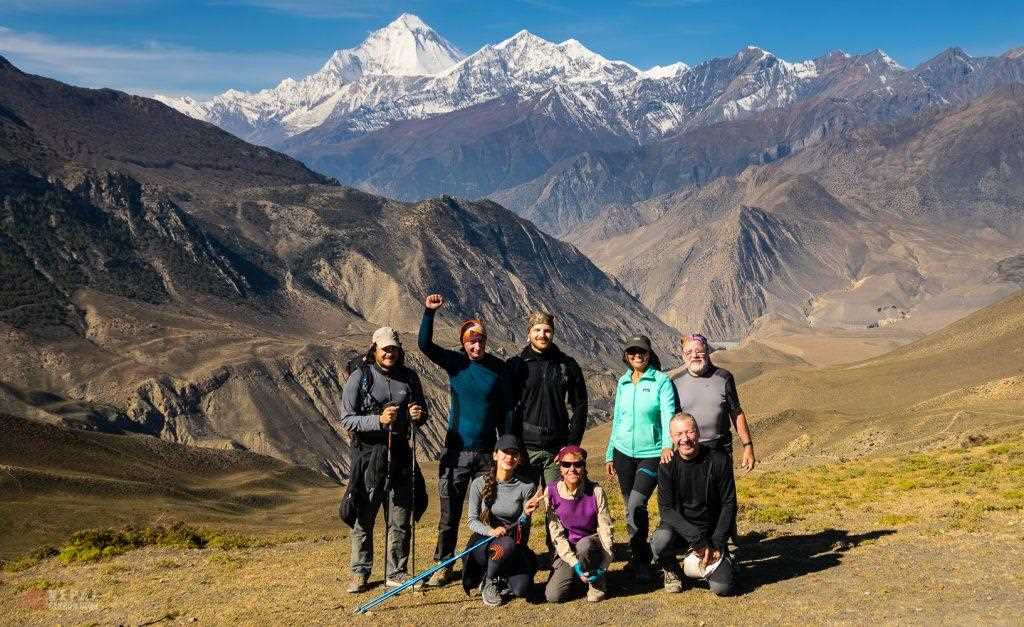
(580, 528)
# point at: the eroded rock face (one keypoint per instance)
(285, 408)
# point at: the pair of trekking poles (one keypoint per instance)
(365, 607)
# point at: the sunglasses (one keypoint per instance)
(638, 352)
(572, 464)
(511, 452)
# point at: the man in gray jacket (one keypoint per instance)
(380, 399)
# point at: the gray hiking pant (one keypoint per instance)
(666, 545)
(398, 515)
(638, 477)
(563, 577)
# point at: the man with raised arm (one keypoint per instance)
(479, 407)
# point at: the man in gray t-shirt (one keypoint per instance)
(708, 393)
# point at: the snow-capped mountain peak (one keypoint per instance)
(883, 59)
(659, 72)
(407, 71)
(405, 47)
(522, 38)
(410, 22)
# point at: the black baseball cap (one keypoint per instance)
(639, 341)
(508, 442)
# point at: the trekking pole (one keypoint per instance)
(412, 531)
(369, 605)
(387, 509)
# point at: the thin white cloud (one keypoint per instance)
(154, 67)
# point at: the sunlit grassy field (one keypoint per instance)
(799, 528)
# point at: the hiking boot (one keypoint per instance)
(595, 592)
(673, 583)
(396, 579)
(490, 593)
(357, 583)
(441, 578)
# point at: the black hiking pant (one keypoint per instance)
(457, 469)
(638, 477)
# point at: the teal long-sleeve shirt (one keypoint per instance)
(479, 392)
(642, 413)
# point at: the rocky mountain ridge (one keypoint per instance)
(913, 216)
(209, 292)
(523, 120)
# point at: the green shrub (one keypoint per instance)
(39, 584)
(93, 545)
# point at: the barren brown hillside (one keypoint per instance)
(900, 226)
(964, 381)
(161, 276)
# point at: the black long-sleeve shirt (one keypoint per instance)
(551, 408)
(697, 497)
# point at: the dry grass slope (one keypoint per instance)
(879, 535)
(960, 381)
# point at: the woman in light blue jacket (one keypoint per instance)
(644, 405)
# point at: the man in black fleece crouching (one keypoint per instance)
(697, 501)
(550, 408)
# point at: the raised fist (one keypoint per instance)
(434, 302)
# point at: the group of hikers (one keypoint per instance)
(513, 445)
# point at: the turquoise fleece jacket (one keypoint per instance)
(642, 414)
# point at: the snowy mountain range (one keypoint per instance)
(406, 71)
(558, 133)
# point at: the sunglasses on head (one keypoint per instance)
(579, 464)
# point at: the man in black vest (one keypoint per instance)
(550, 410)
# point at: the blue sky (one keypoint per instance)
(201, 48)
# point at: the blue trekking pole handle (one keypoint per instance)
(372, 603)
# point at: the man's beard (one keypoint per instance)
(696, 370)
